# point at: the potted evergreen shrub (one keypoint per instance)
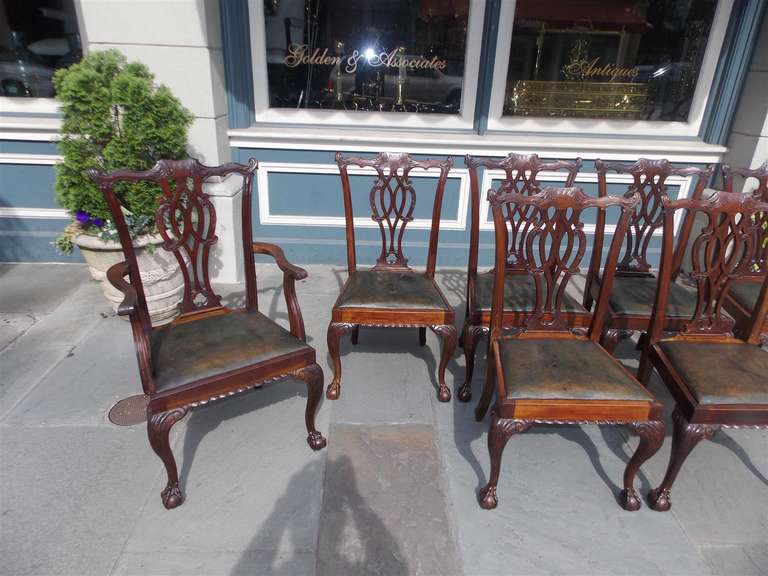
(115, 117)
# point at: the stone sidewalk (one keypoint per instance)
(394, 492)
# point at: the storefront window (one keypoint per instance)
(36, 38)
(625, 59)
(371, 55)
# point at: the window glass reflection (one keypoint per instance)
(373, 55)
(625, 59)
(36, 38)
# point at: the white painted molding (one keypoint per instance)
(266, 217)
(683, 184)
(44, 213)
(39, 159)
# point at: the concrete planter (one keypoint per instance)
(160, 273)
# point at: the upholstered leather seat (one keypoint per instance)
(745, 293)
(391, 290)
(188, 352)
(519, 294)
(720, 372)
(551, 369)
(635, 295)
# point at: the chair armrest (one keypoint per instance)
(116, 276)
(282, 262)
(291, 273)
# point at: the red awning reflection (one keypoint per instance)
(596, 14)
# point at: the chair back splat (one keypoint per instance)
(555, 246)
(721, 255)
(186, 220)
(759, 265)
(393, 200)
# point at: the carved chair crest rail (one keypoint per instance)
(210, 351)
(391, 293)
(554, 370)
(716, 379)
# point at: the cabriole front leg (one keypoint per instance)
(158, 429)
(313, 376)
(335, 331)
(447, 332)
(685, 436)
(651, 435)
(501, 431)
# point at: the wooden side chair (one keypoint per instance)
(521, 174)
(553, 371)
(742, 297)
(391, 294)
(717, 380)
(634, 284)
(210, 351)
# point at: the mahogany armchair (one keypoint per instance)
(391, 294)
(521, 173)
(717, 380)
(210, 351)
(634, 284)
(554, 371)
(742, 297)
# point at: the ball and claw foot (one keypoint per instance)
(333, 391)
(629, 500)
(172, 496)
(444, 394)
(316, 441)
(465, 393)
(658, 498)
(487, 498)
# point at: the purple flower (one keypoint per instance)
(98, 222)
(82, 216)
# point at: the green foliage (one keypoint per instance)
(115, 117)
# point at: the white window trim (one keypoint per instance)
(463, 120)
(496, 120)
(21, 105)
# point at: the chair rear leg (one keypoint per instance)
(158, 430)
(335, 331)
(447, 332)
(501, 431)
(685, 437)
(651, 435)
(355, 334)
(485, 398)
(471, 334)
(313, 376)
(422, 336)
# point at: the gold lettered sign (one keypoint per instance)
(585, 69)
(299, 55)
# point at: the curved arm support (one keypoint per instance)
(291, 273)
(116, 276)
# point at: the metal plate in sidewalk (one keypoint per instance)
(129, 411)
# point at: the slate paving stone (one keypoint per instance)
(384, 509)
(13, 326)
(38, 288)
(69, 497)
(751, 560)
(251, 563)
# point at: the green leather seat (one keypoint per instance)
(391, 290)
(191, 351)
(746, 293)
(519, 294)
(635, 296)
(565, 370)
(719, 372)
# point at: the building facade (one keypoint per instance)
(291, 82)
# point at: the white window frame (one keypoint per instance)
(463, 120)
(497, 121)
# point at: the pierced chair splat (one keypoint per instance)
(743, 295)
(521, 175)
(554, 371)
(717, 380)
(634, 283)
(391, 294)
(210, 351)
